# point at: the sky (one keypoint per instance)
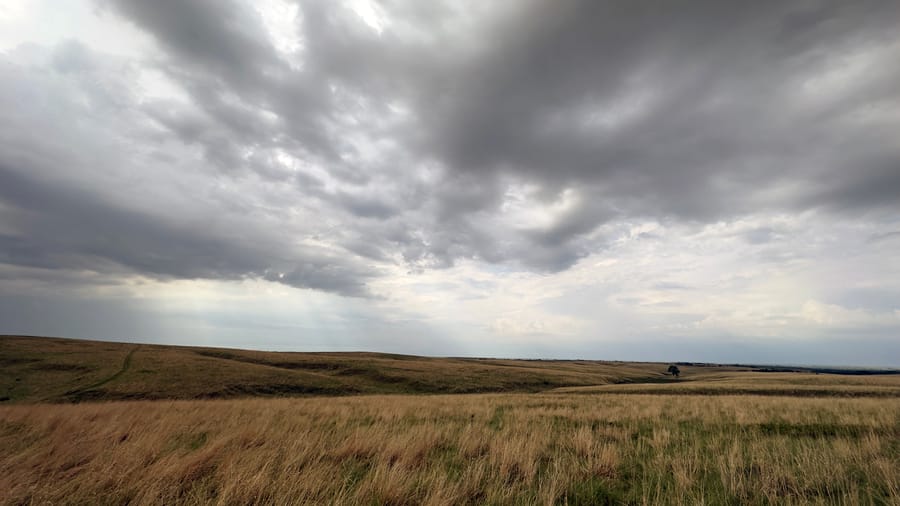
(713, 181)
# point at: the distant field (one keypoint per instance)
(798, 384)
(718, 435)
(66, 370)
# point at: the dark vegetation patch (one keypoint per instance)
(594, 491)
(812, 430)
(846, 371)
(17, 436)
(275, 389)
(354, 470)
(688, 429)
(400, 381)
(188, 441)
(14, 361)
(851, 371)
(8, 428)
(776, 392)
(497, 418)
(51, 366)
(281, 364)
(99, 394)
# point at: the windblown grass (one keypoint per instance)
(549, 448)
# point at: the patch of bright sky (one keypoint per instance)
(282, 21)
(838, 76)
(47, 22)
(619, 112)
(674, 281)
(523, 209)
(156, 85)
(371, 13)
(51, 22)
(248, 304)
(12, 10)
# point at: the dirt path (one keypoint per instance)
(126, 364)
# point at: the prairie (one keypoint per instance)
(548, 448)
(718, 435)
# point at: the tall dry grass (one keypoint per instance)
(471, 449)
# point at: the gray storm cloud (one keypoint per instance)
(405, 147)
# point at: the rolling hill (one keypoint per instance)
(43, 369)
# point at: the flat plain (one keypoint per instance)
(89, 427)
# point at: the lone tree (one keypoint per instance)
(673, 370)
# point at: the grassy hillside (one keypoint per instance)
(38, 369)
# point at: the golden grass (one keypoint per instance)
(548, 448)
(718, 435)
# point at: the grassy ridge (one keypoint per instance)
(546, 448)
(66, 370)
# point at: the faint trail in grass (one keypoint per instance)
(126, 364)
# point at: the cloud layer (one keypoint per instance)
(360, 148)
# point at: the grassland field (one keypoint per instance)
(105, 423)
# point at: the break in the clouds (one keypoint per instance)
(692, 180)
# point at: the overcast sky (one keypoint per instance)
(702, 181)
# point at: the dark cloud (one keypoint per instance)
(694, 110)
(223, 37)
(404, 146)
(70, 229)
